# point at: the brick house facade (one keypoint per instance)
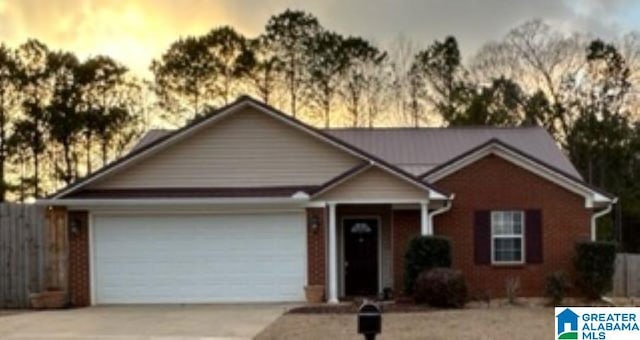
(312, 207)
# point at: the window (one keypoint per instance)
(507, 237)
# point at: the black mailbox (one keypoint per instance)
(369, 320)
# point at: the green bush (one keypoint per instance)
(555, 286)
(595, 265)
(423, 253)
(441, 287)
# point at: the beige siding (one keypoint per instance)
(248, 148)
(374, 184)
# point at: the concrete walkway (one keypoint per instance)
(238, 321)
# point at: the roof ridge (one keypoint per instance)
(440, 128)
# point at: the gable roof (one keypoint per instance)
(593, 195)
(149, 146)
(418, 150)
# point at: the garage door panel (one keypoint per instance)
(204, 258)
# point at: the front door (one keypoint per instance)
(361, 256)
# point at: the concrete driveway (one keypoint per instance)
(238, 321)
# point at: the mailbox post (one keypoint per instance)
(369, 320)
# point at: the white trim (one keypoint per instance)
(92, 262)
(378, 219)
(595, 216)
(379, 201)
(241, 103)
(442, 210)
(170, 201)
(333, 258)
(521, 236)
(425, 229)
(591, 196)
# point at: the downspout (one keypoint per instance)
(442, 210)
(597, 215)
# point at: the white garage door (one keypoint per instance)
(199, 258)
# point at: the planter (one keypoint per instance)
(48, 300)
(314, 293)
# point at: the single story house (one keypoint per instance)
(249, 204)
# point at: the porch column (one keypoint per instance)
(333, 255)
(425, 227)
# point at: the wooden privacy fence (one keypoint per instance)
(22, 253)
(626, 280)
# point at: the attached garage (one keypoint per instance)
(198, 258)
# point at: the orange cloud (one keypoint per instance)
(133, 32)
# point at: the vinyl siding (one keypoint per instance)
(374, 184)
(247, 148)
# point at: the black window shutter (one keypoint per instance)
(482, 237)
(533, 236)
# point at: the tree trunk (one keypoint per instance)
(103, 146)
(3, 143)
(88, 136)
(36, 174)
(68, 177)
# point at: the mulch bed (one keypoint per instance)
(403, 305)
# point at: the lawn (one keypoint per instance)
(489, 323)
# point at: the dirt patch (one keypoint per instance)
(489, 323)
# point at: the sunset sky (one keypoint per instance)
(136, 31)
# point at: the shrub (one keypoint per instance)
(441, 287)
(512, 286)
(423, 253)
(555, 286)
(595, 265)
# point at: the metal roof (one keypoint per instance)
(418, 150)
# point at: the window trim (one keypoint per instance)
(521, 236)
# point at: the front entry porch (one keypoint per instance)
(365, 247)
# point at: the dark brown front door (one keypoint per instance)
(361, 256)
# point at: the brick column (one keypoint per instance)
(316, 247)
(79, 275)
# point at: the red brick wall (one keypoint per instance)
(406, 225)
(79, 287)
(493, 184)
(316, 268)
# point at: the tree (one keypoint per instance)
(537, 58)
(63, 120)
(441, 67)
(601, 132)
(185, 79)
(363, 68)
(500, 104)
(8, 100)
(289, 33)
(326, 63)
(231, 57)
(402, 53)
(35, 87)
(262, 67)
(106, 94)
